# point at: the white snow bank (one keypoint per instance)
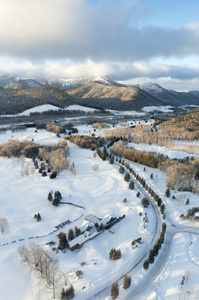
(40, 108)
(79, 107)
(167, 108)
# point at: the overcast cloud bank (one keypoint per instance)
(65, 38)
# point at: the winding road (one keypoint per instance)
(147, 282)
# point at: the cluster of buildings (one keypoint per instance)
(89, 230)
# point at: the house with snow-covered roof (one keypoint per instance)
(79, 241)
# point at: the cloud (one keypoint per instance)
(89, 68)
(64, 29)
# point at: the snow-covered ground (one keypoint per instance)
(179, 279)
(47, 107)
(130, 113)
(165, 109)
(101, 193)
(40, 109)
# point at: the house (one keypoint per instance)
(86, 227)
(107, 220)
(79, 241)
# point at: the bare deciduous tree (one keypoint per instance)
(44, 264)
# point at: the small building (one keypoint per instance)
(92, 219)
(107, 219)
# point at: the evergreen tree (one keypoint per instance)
(58, 195)
(118, 254)
(121, 169)
(111, 160)
(38, 217)
(159, 201)
(114, 290)
(167, 193)
(50, 197)
(53, 175)
(161, 239)
(112, 254)
(131, 185)
(62, 296)
(162, 208)
(145, 202)
(77, 231)
(151, 256)
(62, 241)
(70, 234)
(55, 202)
(100, 227)
(67, 294)
(127, 282)
(187, 201)
(138, 194)
(156, 248)
(164, 226)
(146, 265)
(127, 177)
(115, 254)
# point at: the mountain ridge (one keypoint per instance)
(100, 92)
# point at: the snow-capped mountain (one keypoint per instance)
(90, 89)
(71, 83)
(62, 83)
(170, 97)
(15, 82)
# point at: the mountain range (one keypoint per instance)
(18, 94)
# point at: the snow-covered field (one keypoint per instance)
(160, 150)
(101, 193)
(179, 279)
(165, 109)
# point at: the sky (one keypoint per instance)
(133, 41)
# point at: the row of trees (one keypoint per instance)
(181, 175)
(154, 252)
(72, 233)
(141, 157)
(191, 214)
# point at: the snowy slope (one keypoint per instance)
(101, 193)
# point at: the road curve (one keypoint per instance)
(139, 290)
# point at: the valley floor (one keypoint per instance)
(101, 193)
